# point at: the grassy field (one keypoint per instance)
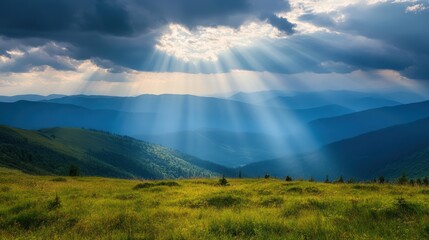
(35, 207)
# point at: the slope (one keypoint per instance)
(389, 151)
(223, 147)
(341, 127)
(52, 151)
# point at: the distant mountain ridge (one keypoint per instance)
(29, 97)
(332, 129)
(158, 114)
(389, 151)
(230, 149)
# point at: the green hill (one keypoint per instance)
(95, 153)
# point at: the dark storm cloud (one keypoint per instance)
(390, 24)
(121, 32)
(321, 52)
(281, 23)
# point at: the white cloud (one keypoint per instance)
(416, 8)
(335, 9)
(207, 43)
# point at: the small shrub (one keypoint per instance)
(223, 181)
(426, 181)
(327, 179)
(223, 201)
(404, 208)
(403, 179)
(143, 185)
(73, 171)
(267, 176)
(30, 219)
(297, 207)
(54, 204)
(59, 179)
(272, 202)
(288, 179)
(351, 180)
(168, 183)
(149, 185)
(426, 229)
(125, 197)
(366, 187)
(339, 180)
(425, 191)
(419, 182)
(295, 190)
(381, 179)
(312, 190)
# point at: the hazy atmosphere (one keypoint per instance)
(116, 47)
(214, 119)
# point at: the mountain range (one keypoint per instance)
(389, 152)
(256, 132)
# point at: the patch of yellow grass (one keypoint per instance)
(101, 208)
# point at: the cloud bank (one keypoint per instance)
(215, 36)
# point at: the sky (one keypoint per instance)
(212, 47)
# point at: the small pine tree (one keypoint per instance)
(288, 179)
(403, 179)
(412, 182)
(419, 181)
(340, 180)
(223, 181)
(351, 180)
(311, 179)
(267, 176)
(381, 179)
(327, 179)
(426, 181)
(73, 171)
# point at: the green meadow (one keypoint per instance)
(49, 207)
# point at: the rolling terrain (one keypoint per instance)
(95, 153)
(230, 149)
(389, 152)
(47, 207)
(327, 130)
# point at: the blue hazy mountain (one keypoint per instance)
(350, 99)
(243, 131)
(180, 104)
(227, 148)
(29, 97)
(335, 128)
(389, 152)
(352, 103)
